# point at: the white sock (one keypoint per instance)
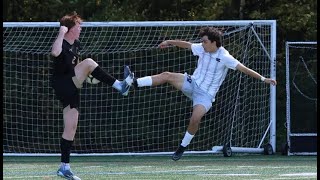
(186, 140)
(65, 165)
(145, 81)
(117, 85)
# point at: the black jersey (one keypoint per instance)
(63, 65)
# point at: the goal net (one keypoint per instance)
(301, 88)
(150, 120)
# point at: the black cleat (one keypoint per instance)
(177, 155)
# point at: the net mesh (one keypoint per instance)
(303, 87)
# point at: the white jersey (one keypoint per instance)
(212, 68)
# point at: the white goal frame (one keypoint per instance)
(288, 116)
(216, 149)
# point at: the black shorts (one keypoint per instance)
(66, 91)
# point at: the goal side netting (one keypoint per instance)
(150, 120)
(301, 90)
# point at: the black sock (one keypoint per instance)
(65, 147)
(102, 76)
(135, 83)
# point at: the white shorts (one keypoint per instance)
(197, 95)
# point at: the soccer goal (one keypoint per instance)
(151, 120)
(301, 88)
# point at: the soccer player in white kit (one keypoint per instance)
(201, 87)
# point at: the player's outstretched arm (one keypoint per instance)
(254, 74)
(181, 44)
(57, 45)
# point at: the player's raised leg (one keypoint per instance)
(89, 66)
(175, 79)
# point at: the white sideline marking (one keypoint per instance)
(306, 177)
(274, 167)
(246, 166)
(93, 167)
(195, 166)
(299, 174)
(142, 167)
(228, 174)
(29, 177)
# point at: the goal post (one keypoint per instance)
(150, 120)
(301, 90)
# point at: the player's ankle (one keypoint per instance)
(65, 166)
(135, 83)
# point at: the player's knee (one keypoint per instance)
(166, 76)
(90, 62)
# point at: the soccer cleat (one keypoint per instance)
(177, 155)
(67, 174)
(127, 82)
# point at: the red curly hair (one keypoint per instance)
(70, 20)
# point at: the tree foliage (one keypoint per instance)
(296, 19)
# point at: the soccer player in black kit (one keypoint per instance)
(68, 76)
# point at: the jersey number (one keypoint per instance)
(73, 60)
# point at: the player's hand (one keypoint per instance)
(164, 44)
(270, 81)
(63, 29)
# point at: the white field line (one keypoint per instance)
(287, 178)
(299, 174)
(194, 167)
(211, 174)
(30, 177)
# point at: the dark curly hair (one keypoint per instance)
(213, 34)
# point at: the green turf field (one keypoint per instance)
(162, 167)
